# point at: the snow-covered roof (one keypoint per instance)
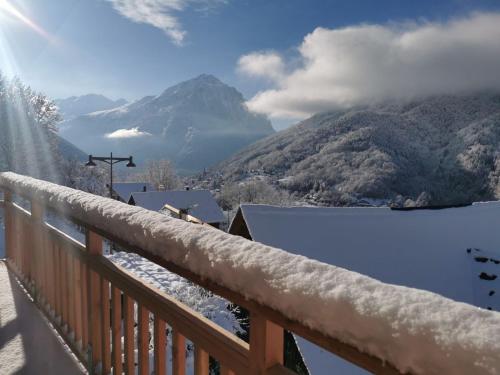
(414, 330)
(124, 189)
(199, 203)
(443, 251)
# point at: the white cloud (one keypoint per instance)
(262, 64)
(127, 133)
(368, 63)
(162, 13)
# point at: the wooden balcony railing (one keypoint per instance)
(91, 301)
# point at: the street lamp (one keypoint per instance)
(111, 160)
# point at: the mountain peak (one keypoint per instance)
(208, 78)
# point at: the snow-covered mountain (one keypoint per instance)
(196, 124)
(79, 105)
(443, 150)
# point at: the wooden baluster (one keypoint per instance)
(266, 344)
(94, 248)
(22, 248)
(105, 315)
(57, 277)
(10, 229)
(50, 273)
(178, 353)
(42, 266)
(27, 251)
(77, 298)
(64, 285)
(160, 342)
(71, 290)
(37, 222)
(46, 267)
(128, 306)
(201, 361)
(116, 331)
(24, 244)
(143, 340)
(84, 306)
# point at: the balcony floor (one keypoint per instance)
(28, 345)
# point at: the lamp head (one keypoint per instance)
(90, 163)
(130, 163)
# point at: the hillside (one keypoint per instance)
(443, 150)
(69, 151)
(195, 124)
(79, 105)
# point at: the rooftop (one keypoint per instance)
(125, 189)
(199, 203)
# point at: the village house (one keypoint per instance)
(122, 190)
(196, 206)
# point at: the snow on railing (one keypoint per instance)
(378, 326)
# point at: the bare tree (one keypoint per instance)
(75, 175)
(160, 174)
(28, 127)
(252, 192)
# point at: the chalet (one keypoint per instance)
(122, 190)
(454, 252)
(197, 206)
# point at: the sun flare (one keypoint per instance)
(11, 10)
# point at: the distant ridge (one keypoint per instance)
(79, 105)
(442, 150)
(196, 124)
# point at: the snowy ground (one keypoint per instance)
(27, 343)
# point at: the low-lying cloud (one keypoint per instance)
(371, 63)
(162, 14)
(127, 133)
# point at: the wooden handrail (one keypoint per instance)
(235, 355)
(89, 299)
(105, 267)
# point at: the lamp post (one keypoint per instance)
(111, 160)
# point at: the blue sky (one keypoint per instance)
(94, 48)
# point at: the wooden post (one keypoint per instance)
(266, 344)
(9, 227)
(105, 315)
(143, 340)
(94, 247)
(178, 353)
(116, 331)
(128, 306)
(71, 290)
(57, 276)
(38, 242)
(84, 306)
(51, 274)
(201, 361)
(64, 285)
(160, 342)
(78, 299)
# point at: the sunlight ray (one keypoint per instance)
(7, 7)
(8, 63)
